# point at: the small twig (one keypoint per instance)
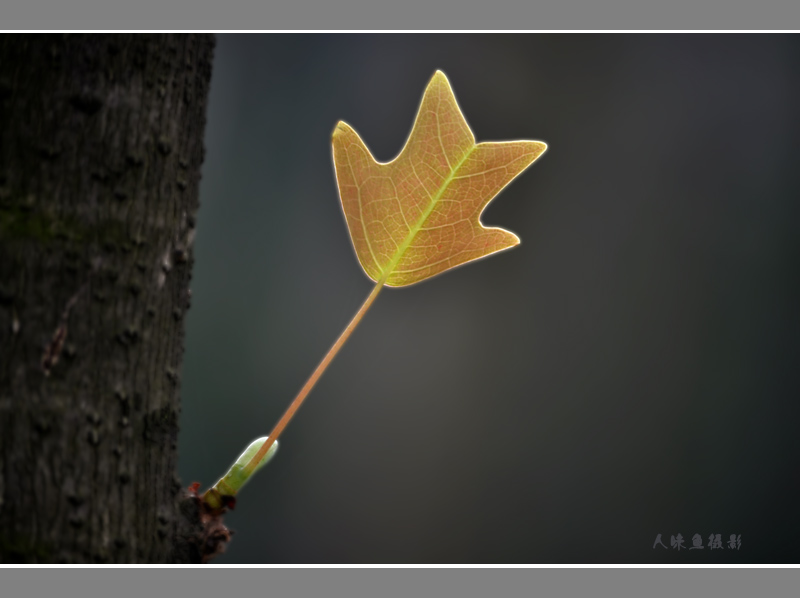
(53, 350)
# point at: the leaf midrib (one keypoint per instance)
(398, 255)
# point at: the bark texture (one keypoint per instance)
(100, 154)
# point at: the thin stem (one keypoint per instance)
(301, 396)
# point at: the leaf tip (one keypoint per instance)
(440, 77)
(537, 148)
(340, 129)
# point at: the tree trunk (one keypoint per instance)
(100, 154)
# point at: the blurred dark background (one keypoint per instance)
(630, 370)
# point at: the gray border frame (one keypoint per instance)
(417, 15)
(390, 583)
(405, 15)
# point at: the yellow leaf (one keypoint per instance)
(419, 215)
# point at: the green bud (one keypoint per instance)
(236, 477)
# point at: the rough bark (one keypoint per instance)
(100, 154)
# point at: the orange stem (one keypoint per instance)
(301, 396)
